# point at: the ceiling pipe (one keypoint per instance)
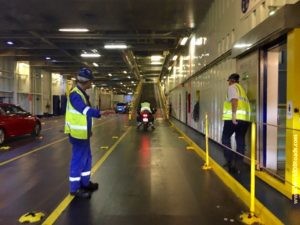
(130, 61)
(55, 46)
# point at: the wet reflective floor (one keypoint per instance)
(145, 177)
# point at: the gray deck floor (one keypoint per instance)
(149, 178)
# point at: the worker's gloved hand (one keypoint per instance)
(94, 113)
(234, 119)
(97, 114)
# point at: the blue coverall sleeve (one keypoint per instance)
(80, 106)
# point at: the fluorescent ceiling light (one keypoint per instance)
(156, 63)
(90, 55)
(74, 30)
(109, 74)
(95, 64)
(183, 41)
(9, 43)
(272, 12)
(156, 57)
(115, 46)
(242, 45)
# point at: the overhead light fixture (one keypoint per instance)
(74, 30)
(48, 58)
(95, 64)
(156, 63)
(272, 9)
(109, 74)
(90, 55)
(9, 43)
(115, 46)
(156, 58)
(242, 45)
(183, 41)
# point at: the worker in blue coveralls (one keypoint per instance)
(78, 124)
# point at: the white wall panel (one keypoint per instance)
(224, 24)
(7, 68)
(46, 92)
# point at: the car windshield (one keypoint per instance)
(12, 109)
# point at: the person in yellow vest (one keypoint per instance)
(236, 116)
(78, 125)
(145, 107)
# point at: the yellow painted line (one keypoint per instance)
(261, 211)
(104, 147)
(60, 208)
(33, 151)
(40, 148)
(283, 188)
(64, 204)
(115, 137)
(5, 148)
(191, 148)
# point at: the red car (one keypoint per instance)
(15, 121)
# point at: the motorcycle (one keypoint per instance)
(146, 120)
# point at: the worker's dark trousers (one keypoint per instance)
(240, 130)
(81, 162)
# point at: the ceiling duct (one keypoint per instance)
(131, 63)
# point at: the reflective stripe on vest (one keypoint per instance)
(76, 122)
(243, 108)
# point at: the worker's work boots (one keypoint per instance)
(81, 193)
(91, 187)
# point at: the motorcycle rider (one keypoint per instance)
(145, 107)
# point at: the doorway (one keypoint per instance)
(274, 110)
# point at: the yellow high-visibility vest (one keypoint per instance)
(145, 106)
(76, 122)
(243, 109)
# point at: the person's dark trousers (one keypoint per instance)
(240, 130)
